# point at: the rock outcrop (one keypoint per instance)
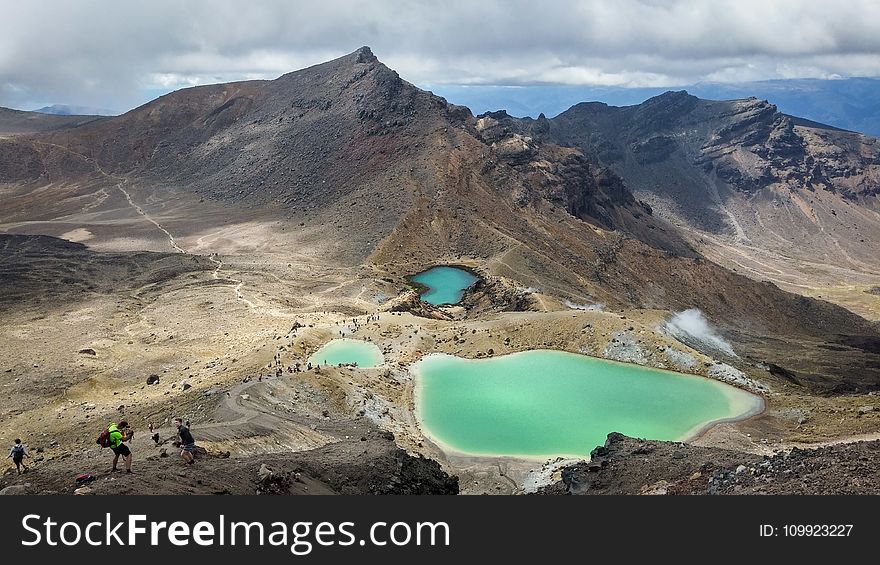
(626, 465)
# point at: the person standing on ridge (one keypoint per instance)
(18, 453)
(120, 433)
(187, 442)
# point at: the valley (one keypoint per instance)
(219, 236)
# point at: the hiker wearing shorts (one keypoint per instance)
(120, 433)
(187, 442)
(18, 453)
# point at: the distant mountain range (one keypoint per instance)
(19, 121)
(67, 110)
(846, 103)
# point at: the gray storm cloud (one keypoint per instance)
(113, 54)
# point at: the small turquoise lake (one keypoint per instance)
(444, 285)
(348, 352)
(547, 403)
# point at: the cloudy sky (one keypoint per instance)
(115, 55)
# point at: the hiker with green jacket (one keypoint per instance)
(120, 433)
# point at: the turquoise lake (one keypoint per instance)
(445, 285)
(348, 351)
(546, 403)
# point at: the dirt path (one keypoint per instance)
(246, 424)
(839, 441)
(119, 180)
(237, 289)
(234, 404)
(524, 278)
(147, 217)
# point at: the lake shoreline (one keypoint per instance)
(365, 355)
(424, 289)
(744, 403)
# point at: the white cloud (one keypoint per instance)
(105, 53)
(171, 80)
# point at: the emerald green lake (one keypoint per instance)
(551, 403)
(348, 351)
(445, 285)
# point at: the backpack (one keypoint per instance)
(18, 451)
(104, 439)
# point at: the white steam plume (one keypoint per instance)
(692, 328)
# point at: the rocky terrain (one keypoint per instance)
(772, 196)
(370, 464)
(630, 466)
(219, 234)
(39, 271)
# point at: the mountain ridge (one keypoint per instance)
(752, 188)
(843, 103)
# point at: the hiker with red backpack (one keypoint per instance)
(114, 437)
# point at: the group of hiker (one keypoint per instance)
(122, 432)
(115, 437)
(278, 367)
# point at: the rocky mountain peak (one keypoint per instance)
(670, 96)
(365, 55)
(660, 111)
(587, 108)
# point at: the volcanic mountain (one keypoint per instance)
(350, 154)
(347, 140)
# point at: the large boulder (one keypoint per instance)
(17, 490)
